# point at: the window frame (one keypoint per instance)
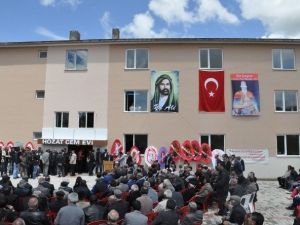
(34, 135)
(125, 103)
(39, 91)
(43, 51)
(281, 59)
(134, 67)
(62, 117)
(134, 143)
(208, 59)
(285, 145)
(209, 139)
(86, 119)
(75, 64)
(284, 102)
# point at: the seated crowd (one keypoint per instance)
(290, 180)
(134, 196)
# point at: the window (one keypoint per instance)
(211, 58)
(138, 140)
(135, 101)
(283, 59)
(86, 119)
(40, 94)
(61, 119)
(137, 58)
(286, 101)
(216, 141)
(76, 60)
(36, 135)
(43, 54)
(288, 145)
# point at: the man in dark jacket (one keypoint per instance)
(168, 217)
(59, 202)
(221, 187)
(91, 162)
(118, 204)
(32, 216)
(237, 212)
(94, 211)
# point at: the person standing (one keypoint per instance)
(15, 157)
(60, 161)
(98, 161)
(222, 187)
(45, 161)
(72, 162)
(91, 162)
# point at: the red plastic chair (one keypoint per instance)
(192, 199)
(206, 202)
(183, 211)
(97, 222)
(125, 195)
(51, 215)
(151, 217)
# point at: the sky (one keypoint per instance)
(47, 20)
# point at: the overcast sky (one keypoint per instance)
(42, 20)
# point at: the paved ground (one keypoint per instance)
(271, 201)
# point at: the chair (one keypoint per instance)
(125, 195)
(192, 199)
(183, 211)
(120, 221)
(97, 222)
(51, 215)
(151, 217)
(206, 202)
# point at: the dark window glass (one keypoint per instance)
(292, 144)
(90, 119)
(215, 58)
(280, 145)
(129, 101)
(82, 119)
(203, 58)
(204, 139)
(65, 122)
(141, 58)
(217, 142)
(58, 119)
(128, 142)
(141, 141)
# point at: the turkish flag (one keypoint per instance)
(211, 91)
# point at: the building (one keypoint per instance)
(96, 91)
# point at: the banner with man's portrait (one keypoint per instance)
(164, 91)
(245, 95)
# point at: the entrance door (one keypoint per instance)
(82, 152)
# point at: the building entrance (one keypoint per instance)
(82, 152)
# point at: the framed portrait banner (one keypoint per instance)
(245, 94)
(164, 91)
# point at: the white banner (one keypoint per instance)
(250, 155)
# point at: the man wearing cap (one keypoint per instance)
(237, 212)
(119, 204)
(70, 214)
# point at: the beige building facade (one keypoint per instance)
(104, 89)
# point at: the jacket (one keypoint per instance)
(34, 217)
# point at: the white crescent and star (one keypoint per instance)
(208, 80)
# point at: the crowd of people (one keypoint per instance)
(130, 194)
(290, 180)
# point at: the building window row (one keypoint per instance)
(209, 58)
(285, 101)
(286, 144)
(85, 119)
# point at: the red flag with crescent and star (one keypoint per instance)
(211, 91)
